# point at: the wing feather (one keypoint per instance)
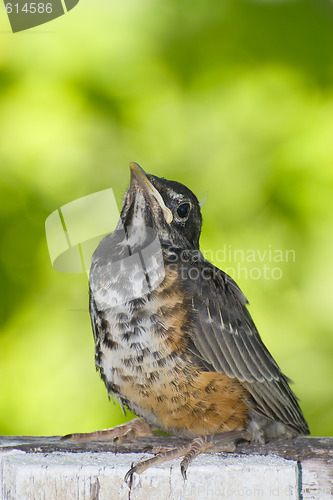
(227, 339)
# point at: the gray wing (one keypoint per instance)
(227, 339)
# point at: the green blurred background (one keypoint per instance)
(232, 97)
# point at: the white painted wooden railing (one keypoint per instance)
(42, 468)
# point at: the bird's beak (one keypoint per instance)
(140, 175)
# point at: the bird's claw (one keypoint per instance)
(129, 475)
(188, 451)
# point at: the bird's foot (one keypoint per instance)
(118, 434)
(212, 443)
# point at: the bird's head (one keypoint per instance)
(168, 207)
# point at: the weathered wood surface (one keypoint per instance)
(46, 468)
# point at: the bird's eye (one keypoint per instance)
(183, 210)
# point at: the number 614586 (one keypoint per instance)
(29, 8)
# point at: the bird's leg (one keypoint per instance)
(120, 433)
(212, 443)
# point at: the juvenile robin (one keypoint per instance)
(174, 339)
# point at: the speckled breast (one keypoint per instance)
(142, 326)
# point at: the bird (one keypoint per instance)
(174, 340)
